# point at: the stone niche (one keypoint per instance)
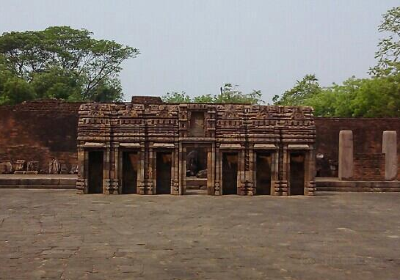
(149, 147)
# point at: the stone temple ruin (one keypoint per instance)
(149, 147)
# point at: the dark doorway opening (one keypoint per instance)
(163, 173)
(95, 182)
(196, 169)
(263, 173)
(297, 173)
(129, 172)
(229, 173)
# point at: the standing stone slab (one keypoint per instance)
(345, 154)
(389, 148)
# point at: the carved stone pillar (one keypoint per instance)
(151, 182)
(249, 173)
(218, 172)
(80, 182)
(275, 173)
(107, 185)
(310, 173)
(141, 187)
(284, 188)
(175, 172)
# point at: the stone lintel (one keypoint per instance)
(298, 147)
(94, 145)
(129, 145)
(265, 146)
(163, 145)
(230, 146)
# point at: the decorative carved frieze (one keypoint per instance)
(231, 128)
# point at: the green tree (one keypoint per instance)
(389, 47)
(107, 91)
(206, 98)
(176, 97)
(70, 56)
(57, 83)
(303, 89)
(16, 90)
(229, 94)
(374, 97)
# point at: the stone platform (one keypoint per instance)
(38, 181)
(68, 181)
(56, 234)
(334, 184)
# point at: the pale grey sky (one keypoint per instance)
(197, 46)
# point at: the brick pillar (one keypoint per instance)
(389, 148)
(345, 154)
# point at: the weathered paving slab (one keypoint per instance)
(56, 234)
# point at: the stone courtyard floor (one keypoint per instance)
(57, 234)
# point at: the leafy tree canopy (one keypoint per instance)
(62, 62)
(389, 47)
(229, 94)
(304, 89)
(377, 96)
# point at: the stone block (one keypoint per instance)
(389, 148)
(20, 165)
(345, 154)
(33, 166)
(6, 167)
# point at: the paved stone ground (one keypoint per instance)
(56, 234)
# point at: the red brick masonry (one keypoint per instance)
(41, 130)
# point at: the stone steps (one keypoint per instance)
(39, 182)
(356, 186)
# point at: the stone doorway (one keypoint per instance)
(229, 173)
(163, 172)
(263, 173)
(129, 172)
(95, 170)
(297, 162)
(196, 169)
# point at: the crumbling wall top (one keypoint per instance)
(147, 100)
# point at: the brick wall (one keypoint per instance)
(398, 161)
(369, 167)
(367, 137)
(39, 131)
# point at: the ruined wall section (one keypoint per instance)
(369, 167)
(367, 139)
(234, 129)
(39, 131)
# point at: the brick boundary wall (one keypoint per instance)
(39, 131)
(367, 137)
(369, 167)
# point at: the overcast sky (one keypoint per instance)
(197, 46)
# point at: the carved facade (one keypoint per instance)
(216, 149)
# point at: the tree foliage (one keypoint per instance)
(373, 97)
(229, 94)
(304, 89)
(389, 47)
(377, 96)
(66, 63)
(176, 97)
